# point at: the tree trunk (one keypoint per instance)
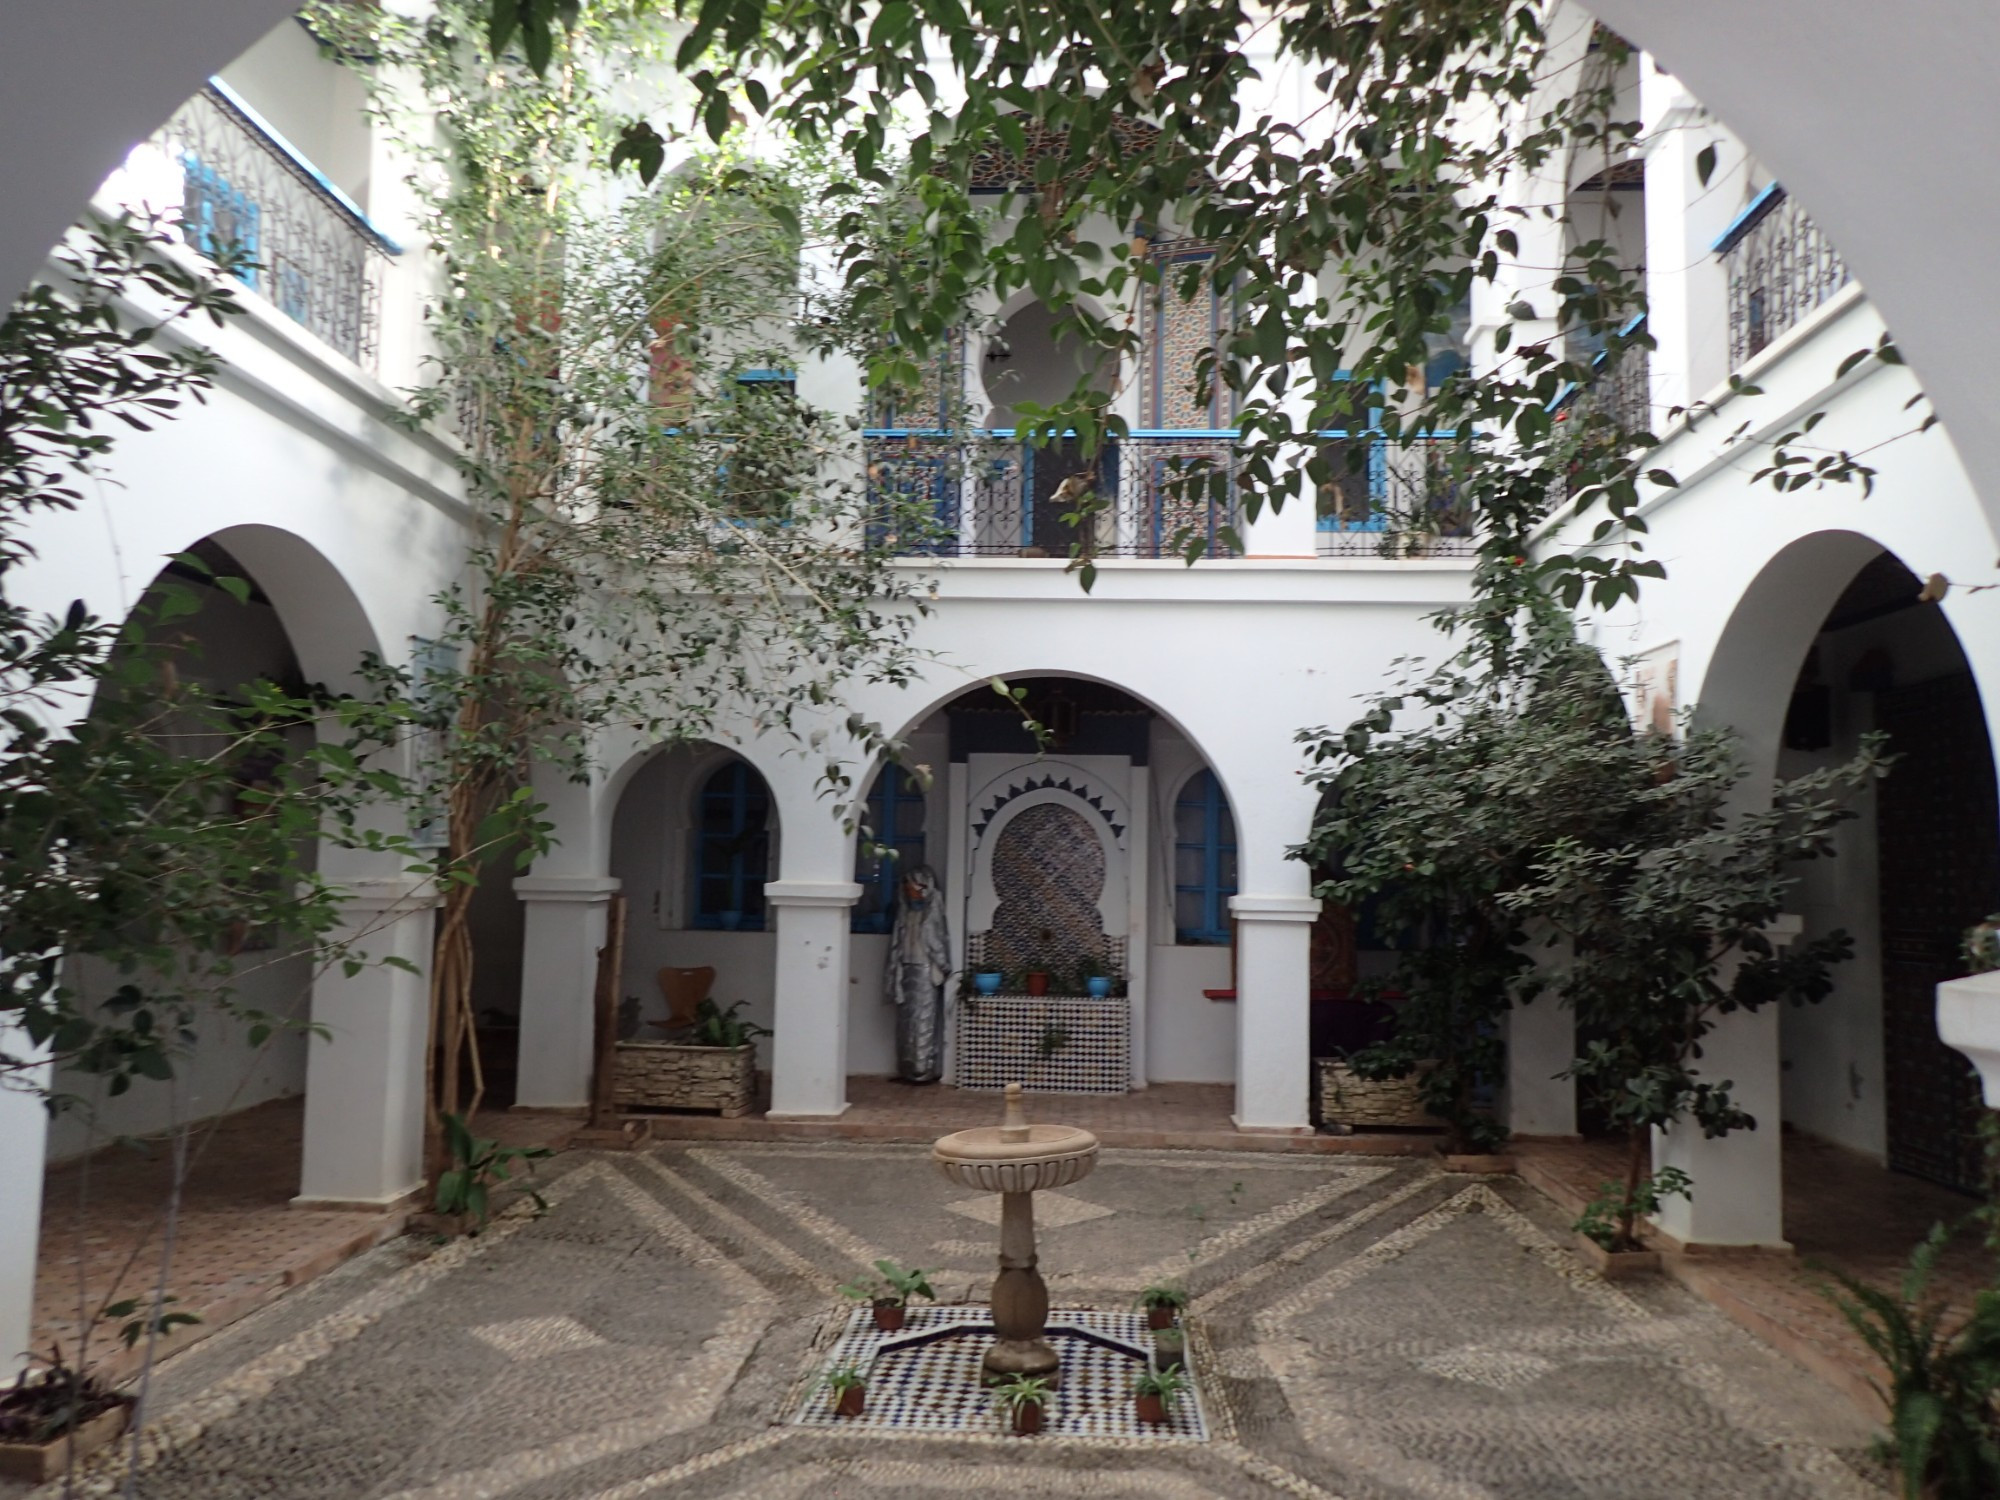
(1637, 1144)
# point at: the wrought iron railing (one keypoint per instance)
(1391, 499)
(312, 253)
(1781, 266)
(990, 494)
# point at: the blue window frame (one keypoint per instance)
(1204, 861)
(893, 846)
(216, 215)
(732, 849)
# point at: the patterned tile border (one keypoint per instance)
(935, 1388)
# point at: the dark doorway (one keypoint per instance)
(1939, 841)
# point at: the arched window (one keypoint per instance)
(1204, 861)
(895, 822)
(732, 849)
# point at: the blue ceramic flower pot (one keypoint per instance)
(1098, 985)
(986, 984)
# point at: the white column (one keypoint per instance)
(1739, 1179)
(564, 929)
(364, 1128)
(809, 1033)
(1541, 1043)
(1687, 290)
(1273, 1011)
(24, 1138)
(1138, 924)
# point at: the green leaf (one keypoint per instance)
(1704, 164)
(501, 24)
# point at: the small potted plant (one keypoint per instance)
(1163, 1303)
(1024, 1397)
(1092, 978)
(1038, 982)
(850, 1390)
(1155, 1392)
(987, 981)
(1169, 1348)
(889, 1295)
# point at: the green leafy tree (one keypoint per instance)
(664, 534)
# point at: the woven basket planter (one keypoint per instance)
(1366, 1104)
(672, 1075)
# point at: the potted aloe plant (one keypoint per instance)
(1155, 1392)
(889, 1294)
(1024, 1396)
(850, 1390)
(1163, 1303)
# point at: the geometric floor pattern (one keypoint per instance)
(1363, 1330)
(919, 1383)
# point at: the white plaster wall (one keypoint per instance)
(227, 644)
(1189, 1038)
(315, 103)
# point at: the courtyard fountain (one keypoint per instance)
(1016, 1160)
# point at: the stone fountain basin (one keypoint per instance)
(997, 1159)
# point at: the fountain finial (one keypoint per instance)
(1014, 1126)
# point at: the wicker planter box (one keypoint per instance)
(671, 1075)
(1362, 1104)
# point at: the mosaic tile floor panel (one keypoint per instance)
(936, 1387)
(1363, 1331)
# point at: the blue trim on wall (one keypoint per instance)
(890, 801)
(1203, 794)
(1752, 215)
(724, 854)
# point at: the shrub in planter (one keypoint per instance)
(850, 1391)
(1169, 1349)
(464, 1197)
(55, 1416)
(889, 1293)
(1155, 1392)
(1023, 1397)
(1163, 1304)
(1610, 1220)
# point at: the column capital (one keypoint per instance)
(811, 892)
(1274, 908)
(585, 889)
(386, 893)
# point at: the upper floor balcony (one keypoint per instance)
(231, 180)
(1158, 494)
(1781, 266)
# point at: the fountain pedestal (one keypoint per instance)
(1016, 1159)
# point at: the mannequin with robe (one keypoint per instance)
(919, 964)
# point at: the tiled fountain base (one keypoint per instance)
(926, 1379)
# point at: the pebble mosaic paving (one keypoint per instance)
(1361, 1330)
(917, 1383)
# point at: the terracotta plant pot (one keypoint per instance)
(1160, 1315)
(1038, 984)
(889, 1316)
(1027, 1418)
(850, 1402)
(1152, 1410)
